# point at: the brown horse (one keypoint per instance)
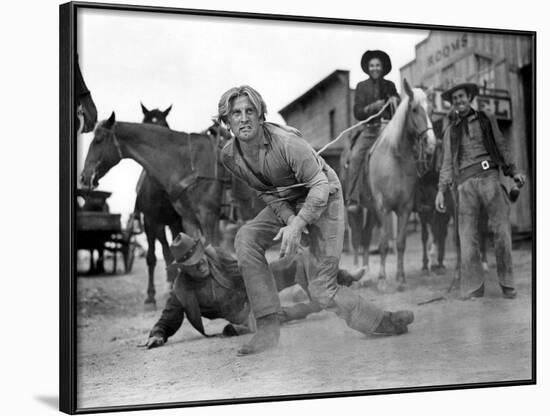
(392, 172)
(431, 220)
(184, 164)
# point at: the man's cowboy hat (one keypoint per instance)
(471, 88)
(186, 251)
(383, 56)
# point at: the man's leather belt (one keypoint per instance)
(476, 169)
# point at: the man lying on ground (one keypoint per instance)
(208, 284)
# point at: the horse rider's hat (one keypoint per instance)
(471, 88)
(383, 56)
(187, 251)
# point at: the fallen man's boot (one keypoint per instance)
(266, 336)
(394, 323)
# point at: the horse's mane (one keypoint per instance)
(393, 131)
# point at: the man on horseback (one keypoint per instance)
(207, 282)
(474, 151)
(370, 97)
(303, 195)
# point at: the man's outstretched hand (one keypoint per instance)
(154, 341)
(290, 236)
(440, 202)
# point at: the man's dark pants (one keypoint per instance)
(357, 161)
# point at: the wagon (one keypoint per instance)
(101, 231)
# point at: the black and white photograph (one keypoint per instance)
(273, 208)
(247, 208)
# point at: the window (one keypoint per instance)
(485, 72)
(332, 127)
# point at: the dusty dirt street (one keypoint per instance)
(451, 341)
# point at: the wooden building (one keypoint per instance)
(322, 112)
(502, 66)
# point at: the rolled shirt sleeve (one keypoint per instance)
(307, 168)
(280, 207)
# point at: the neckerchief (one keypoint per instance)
(462, 121)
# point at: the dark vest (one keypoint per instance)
(488, 142)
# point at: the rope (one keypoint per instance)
(325, 147)
(297, 185)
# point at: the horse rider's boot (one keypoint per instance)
(394, 323)
(346, 278)
(266, 336)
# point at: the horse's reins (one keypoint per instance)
(325, 147)
(423, 159)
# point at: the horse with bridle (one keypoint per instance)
(391, 173)
(185, 165)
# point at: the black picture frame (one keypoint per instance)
(68, 185)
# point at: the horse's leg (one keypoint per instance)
(151, 259)
(355, 236)
(370, 224)
(442, 221)
(401, 242)
(383, 249)
(166, 253)
(424, 234)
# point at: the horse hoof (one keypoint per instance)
(150, 301)
(382, 285)
(402, 286)
(439, 269)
